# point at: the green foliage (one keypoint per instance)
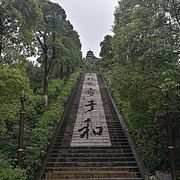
(22, 22)
(39, 125)
(106, 52)
(34, 109)
(9, 116)
(132, 95)
(41, 134)
(71, 48)
(148, 137)
(35, 74)
(59, 38)
(18, 18)
(8, 172)
(55, 87)
(13, 83)
(145, 77)
(86, 64)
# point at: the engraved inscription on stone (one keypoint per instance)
(90, 127)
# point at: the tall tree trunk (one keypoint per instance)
(48, 64)
(68, 70)
(48, 68)
(72, 69)
(1, 33)
(1, 48)
(46, 75)
(48, 61)
(45, 89)
(61, 73)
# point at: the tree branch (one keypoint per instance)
(40, 42)
(175, 14)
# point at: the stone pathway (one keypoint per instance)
(90, 142)
(90, 126)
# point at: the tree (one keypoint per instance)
(106, 51)
(48, 34)
(17, 20)
(146, 71)
(13, 83)
(59, 43)
(146, 42)
(71, 50)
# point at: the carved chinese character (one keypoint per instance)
(91, 92)
(99, 132)
(90, 84)
(91, 104)
(88, 127)
(90, 78)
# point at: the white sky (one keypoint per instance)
(92, 19)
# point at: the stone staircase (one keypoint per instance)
(90, 162)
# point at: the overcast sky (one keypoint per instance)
(93, 19)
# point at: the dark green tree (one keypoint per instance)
(106, 52)
(49, 35)
(59, 44)
(71, 50)
(145, 76)
(17, 20)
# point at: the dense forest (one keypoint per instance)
(140, 63)
(32, 29)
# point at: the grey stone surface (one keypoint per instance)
(90, 92)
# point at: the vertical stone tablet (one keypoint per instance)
(90, 127)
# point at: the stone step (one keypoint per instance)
(62, 143)
(111, 118)
(108, 156)
(119, 169)
(112, 131)
(119, 146)
(120, 143)
(90, 159)
(97, 154)
(97, 147)
(113, 134)
(70, 122)
(90, 174)
(91, 164)
(103, 151)
(113, 140)
(65, 150)
(127, 178)
(69, 135)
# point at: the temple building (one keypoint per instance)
(90, 55)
